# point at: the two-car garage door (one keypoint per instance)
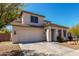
(29, 34)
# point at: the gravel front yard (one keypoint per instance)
(38, 49)
(71, 44)
(9, 49)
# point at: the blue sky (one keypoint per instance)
(59, 13)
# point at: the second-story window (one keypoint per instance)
(34, 19)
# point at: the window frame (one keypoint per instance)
(34, 19)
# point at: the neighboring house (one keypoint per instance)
(32, 27)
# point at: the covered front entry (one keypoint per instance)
(52, 34)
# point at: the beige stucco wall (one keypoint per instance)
(26, 18)
(28, 34)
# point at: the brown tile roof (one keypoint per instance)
(55, 25)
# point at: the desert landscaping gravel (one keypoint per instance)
(9, 49)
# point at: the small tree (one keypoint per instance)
(75, 31)
(8, 12)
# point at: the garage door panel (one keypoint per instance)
(30, 35)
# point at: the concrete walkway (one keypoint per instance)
(45, 48)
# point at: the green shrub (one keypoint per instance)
(60, 39)
(4, 31)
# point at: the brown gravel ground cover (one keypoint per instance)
(9, 49)
(71, 44)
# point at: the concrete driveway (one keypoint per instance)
(45, 49)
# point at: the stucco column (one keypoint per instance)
(55, 35)
(62, 33)
(66, 35)
(48, 35)
(65, 38)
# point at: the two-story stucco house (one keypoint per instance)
(32, 27)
